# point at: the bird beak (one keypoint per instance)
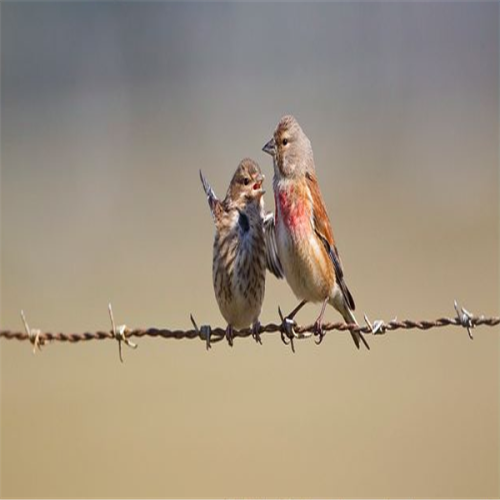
(258, 185)
(270, 147)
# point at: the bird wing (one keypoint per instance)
(272, 259)
(213, 202)
(324, 231)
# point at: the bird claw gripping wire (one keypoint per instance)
(318, 332)
(120, 334)
(465, 318)
(204, 332)
(256, 327)
(33, 334)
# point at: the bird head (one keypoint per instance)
(246, 184)
(290, 148)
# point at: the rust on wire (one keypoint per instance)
(464, 319)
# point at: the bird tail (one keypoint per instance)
(349, 318)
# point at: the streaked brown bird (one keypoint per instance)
(239, 257)
(304, 252)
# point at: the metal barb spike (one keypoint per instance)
(286, 330)
(465, 318)
(33, 334)
(120, 333)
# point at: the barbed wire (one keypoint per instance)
(209, 335)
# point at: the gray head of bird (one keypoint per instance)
(291, 149)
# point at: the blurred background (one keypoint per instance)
(108, 111)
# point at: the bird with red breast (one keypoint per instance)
(300, 245)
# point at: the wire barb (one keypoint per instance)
(286, 330)
(120, 333)
(205, 332)
(33, 334)
(465, 318)
(379, 326)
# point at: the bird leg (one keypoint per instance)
(287, 324)
(229, 335)
(318, 325)
(256, 332)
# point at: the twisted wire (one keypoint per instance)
(219, 333)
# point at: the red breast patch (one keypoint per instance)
(292, 210)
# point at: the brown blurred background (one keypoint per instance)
(108, 110)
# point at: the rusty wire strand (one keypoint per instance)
(219, 333)
(463, 319)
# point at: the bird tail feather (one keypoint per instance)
(349, 318)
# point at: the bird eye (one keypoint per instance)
(285, 141)
(246, 181)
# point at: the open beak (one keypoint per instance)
(258, 184)
(270, 147)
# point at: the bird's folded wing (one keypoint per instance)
(323, 229)
(213, 202)
(272, 259)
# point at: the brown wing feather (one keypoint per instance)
(324, 231)
(213, 202)
(321, 220)
(272, 259)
